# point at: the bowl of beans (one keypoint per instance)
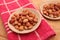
(50, 9)
(24, 20)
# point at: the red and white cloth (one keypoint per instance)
(8, 6)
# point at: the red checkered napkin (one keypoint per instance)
(8, 6)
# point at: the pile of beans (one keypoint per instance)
(23, 21)
(52, 10)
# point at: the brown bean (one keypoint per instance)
(26, 11)
(35, 20)
(53, 10)
(12, 21)
(50, 11)
(19, 24)
(45, 12)
(16, 22)
(45, 6)
(20, 20)
(13, 24)
(51, 6)
(21, 28)
(23, 17)
(32, 15)
(27, 16)
(28, 24)
(56, 8)
(30, 27)
(31, 22)
(16, 15)
(58, 5)
(34, 24)
(25, 20)
(25, 27)
(30, 18)
(13, 17)
(24, 14)
(57, 13)
(16, 26)
(23, 24)
(54, 16)
(51, 15)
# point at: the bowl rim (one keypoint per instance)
(20, 32)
